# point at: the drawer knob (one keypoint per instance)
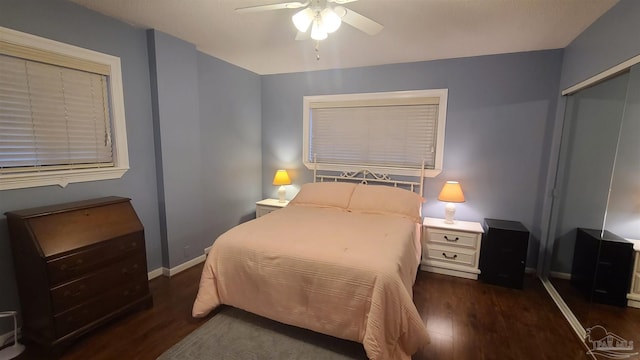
(455, 256)
(452, 240)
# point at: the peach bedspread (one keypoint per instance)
(344, 274)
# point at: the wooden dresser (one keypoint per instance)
(77, 265)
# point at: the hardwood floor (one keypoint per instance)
(145, 334)
(623, 321)
(466, 319)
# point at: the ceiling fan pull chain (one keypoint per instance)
(317, 50)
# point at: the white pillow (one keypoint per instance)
(324, 194)
(382, 199)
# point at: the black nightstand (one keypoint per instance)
(503, 255)
(602, 266)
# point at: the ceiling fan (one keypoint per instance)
(321, 17)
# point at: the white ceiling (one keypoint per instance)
(414, 30)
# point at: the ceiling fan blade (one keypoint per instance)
(280, 6)
(341, 1)
(358, 21)
(302, 35)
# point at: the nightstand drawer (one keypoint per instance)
(452, 238)
(451, 255)
(451, 248)
(266, 206)
(264, 210)
(636, 283)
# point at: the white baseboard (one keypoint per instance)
(180, 268)
(154, 273)
(633, 303)
(206, 251)
(568, 314)
(530, 270)
(184, 266)
(560, 275)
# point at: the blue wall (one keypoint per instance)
(69, 23)
(502, 126)
(499, 122)
(195, 161)
(611, 40)
(207, 125)
(176, 119)
(231, 144)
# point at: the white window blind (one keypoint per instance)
(62, 115)
(52, 117)
(388, 136)
(392, 133)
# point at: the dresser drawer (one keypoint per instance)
(71, 266)
(451, 255)
(95, 309)
(70, 294)
(453, 238)
(63, 231)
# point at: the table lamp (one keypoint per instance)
(16, 349)
(451, 193)
(282, 179)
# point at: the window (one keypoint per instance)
(391, 132)
(61, 113)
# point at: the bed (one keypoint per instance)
(340, 259)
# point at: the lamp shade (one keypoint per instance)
(302, 19)
(330, 20)
(318, 32)
(451, 192)
(281, 178)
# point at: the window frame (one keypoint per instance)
(441, 94)
(116, 107)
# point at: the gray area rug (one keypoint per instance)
(233, 334)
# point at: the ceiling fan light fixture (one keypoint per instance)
(330, 20)
(302, 19)
(317, 31)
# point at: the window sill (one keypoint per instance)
(61, 178)
(429, 173)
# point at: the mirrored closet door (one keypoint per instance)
(596, 206)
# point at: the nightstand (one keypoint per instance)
(602, 266)
(504, 253)
(451, 249)
(263, 207)
(633, 297)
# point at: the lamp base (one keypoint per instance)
(449, 213)
(17, 348)
(281, 193)
(11, 351)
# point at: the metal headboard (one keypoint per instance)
(366, 176)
